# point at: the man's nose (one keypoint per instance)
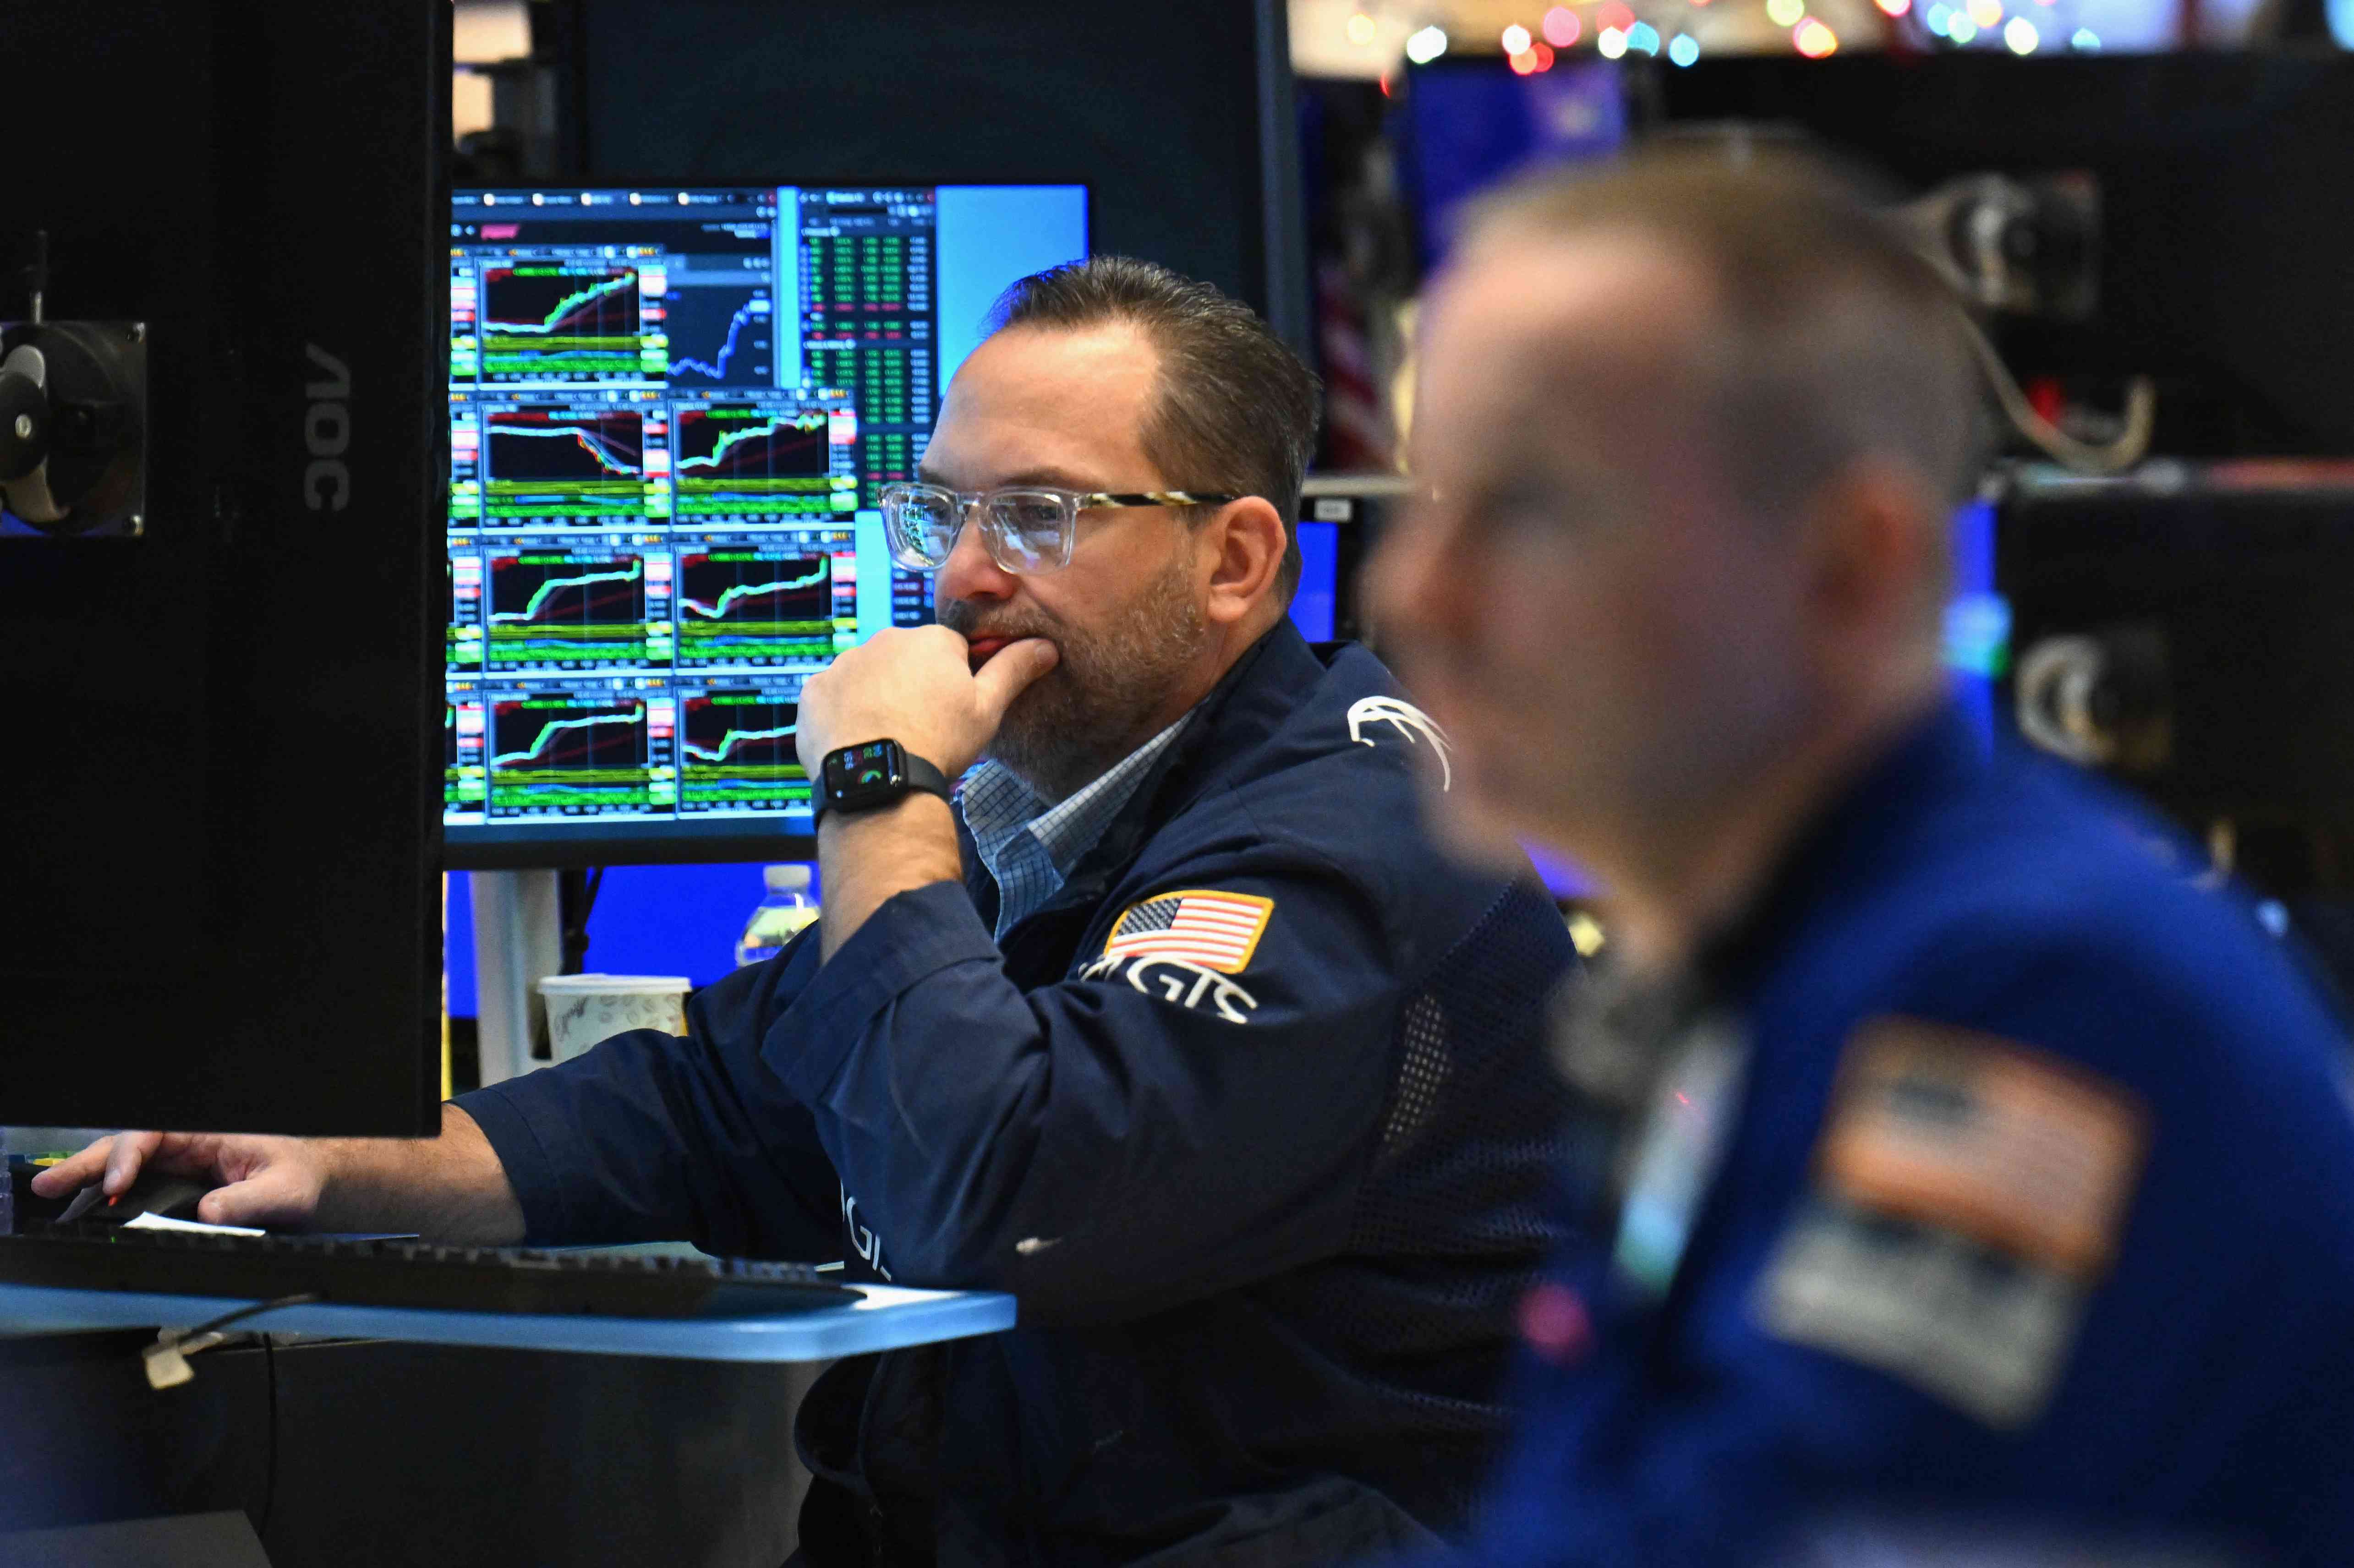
(970, 572)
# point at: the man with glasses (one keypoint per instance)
(1173, 1022)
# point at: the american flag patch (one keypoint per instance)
(1216, 931)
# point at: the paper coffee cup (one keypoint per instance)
(584, 1009)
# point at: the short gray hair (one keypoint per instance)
(1835, 341)
(1236, 410)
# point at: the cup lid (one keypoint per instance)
(614, 985)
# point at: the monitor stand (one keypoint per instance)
(518, 938)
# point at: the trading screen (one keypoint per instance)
(669, 412)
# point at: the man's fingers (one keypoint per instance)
(1012, 668)
(68, 1177)
(125, 1160)
(277, 1194)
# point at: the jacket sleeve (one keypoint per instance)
(1145, 1132)
(650, 1136)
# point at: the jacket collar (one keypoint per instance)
(1940, 753)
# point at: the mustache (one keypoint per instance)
(961, 617)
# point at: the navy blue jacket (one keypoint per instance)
(1267, 1221)
(1865, 1322)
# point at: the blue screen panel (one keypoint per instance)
(990, 238)
(1316, 604)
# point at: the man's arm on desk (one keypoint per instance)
(450, 1188)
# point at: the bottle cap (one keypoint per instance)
(786, 878)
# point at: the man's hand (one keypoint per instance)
(450, 1188)
(917, 686)
(257, 1181)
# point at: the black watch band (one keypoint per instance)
(874, 773)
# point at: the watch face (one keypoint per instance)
(866, 775)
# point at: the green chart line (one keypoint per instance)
(727, 741)
(746, 591)
(627, 279)
(792, 421)
(539, 595)
(547, 732)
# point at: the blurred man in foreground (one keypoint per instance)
(1958, 1164)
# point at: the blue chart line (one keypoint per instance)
(744, 312)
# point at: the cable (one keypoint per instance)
(166, 1361)
(2130, 447)
(302, 1299)
(270, 1452)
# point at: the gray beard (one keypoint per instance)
(1069, 727)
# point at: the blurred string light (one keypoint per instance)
(1615, 14)
(1643, 39)
(1361, 29)
(1427, 46)
(2085, 38)
(1961, 29)
(1785, 13)
(1610, 43)
(1561, 26)
(1986, 14)
(1683, 49)
(1516, 39)
(1814, 40)
(1893, 7)
(2020, 36)
(1935, 18)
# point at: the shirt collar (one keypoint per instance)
(1000, 810)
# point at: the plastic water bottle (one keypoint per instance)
(781, 915)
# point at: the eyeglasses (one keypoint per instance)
(1027, 527)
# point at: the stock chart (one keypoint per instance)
(561, 463)
(571, 753)
(747, 461)
(755, 604)
(721, 336)
(561, 321)
(572, 608)
(736, 750)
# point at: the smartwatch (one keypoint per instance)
(861, 778)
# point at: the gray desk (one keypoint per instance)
(378, 1437)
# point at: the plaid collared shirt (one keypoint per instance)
(1030, 848)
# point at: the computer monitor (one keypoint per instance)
(218, 811)
(670, 409)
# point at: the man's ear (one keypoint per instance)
(1875, 559)
(1244, 543)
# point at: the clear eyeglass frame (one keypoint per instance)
(1029, 528)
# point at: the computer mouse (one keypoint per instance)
(167, 1197)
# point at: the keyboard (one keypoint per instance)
(91, 1256)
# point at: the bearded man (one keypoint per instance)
(1172, 1023)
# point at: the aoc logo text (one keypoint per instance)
(327, 433)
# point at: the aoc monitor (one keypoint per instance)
(219, 894)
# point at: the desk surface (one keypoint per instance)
(888, 1318)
